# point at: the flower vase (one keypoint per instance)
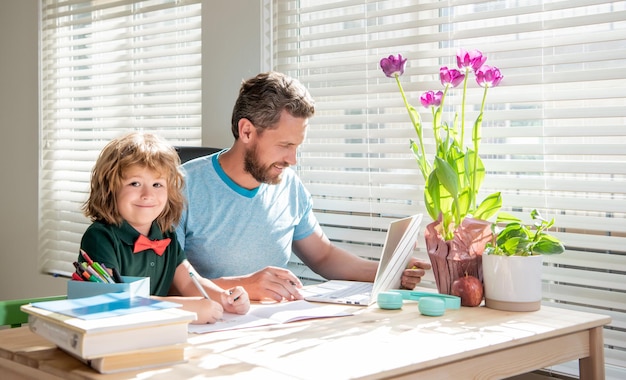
(512, 283)
(460, 256)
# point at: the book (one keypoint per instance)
(104, 305)
(139, 359)
(92, 338)
(263, 314)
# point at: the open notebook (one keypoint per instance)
(399, 244)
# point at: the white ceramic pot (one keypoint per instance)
(512, 283)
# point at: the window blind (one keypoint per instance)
(108, 67)
(553, 132)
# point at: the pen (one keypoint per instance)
(197, 283)
(92, 273)
(87, 276)
(231, 292)
(86, 257)
(79, 269)
(116, 276)
(102, 272)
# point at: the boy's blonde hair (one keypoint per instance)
(143, 149)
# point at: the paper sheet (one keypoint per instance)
(274, 313)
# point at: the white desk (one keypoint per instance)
(470, 343)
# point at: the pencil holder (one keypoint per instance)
(135, 286)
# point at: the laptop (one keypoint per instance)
(399, 245)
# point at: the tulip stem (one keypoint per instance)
(415, 120)
(463, 106)
(476, 139)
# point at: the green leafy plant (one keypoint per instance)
(454, 176)
(519, 239)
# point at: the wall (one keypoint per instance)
(19, 153)
(231, 52)
(231, 45)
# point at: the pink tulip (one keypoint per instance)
(452, 77)
(431, 99)
(393, 65)
(473, 59)
(488, 76)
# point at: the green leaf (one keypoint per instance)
(415, 117)
(489, 206)
(447, 176)
(449, 180)
(456, 159)
(464, 203)
(446, 201)
(511, 231)
(422, 163)
(510, 246)
(475, 164)
(519, 239)
(448, 230)
(437, 116)
(534, 214)
(548, 245)
(505, 217)
(432, 196)
(476, 131)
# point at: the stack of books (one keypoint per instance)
(114, 332)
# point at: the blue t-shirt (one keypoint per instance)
(227, 230)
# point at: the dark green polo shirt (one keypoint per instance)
(113, 246)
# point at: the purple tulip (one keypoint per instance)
(473, 59)
(393, 65)
(488, 76)
(431, 98)
(452, 77)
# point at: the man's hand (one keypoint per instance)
(273, 283)
(413, 275)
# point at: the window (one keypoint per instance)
(108, 67)
(553, 136)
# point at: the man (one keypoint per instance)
(248, 210)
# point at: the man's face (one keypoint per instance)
(275, 149)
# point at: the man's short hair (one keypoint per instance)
(263, 98)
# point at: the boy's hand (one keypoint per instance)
(236, 300)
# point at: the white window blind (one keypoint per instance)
(108, 67)
(554, 132)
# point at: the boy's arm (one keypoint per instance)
(234, 300)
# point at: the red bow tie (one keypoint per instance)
(144, 243)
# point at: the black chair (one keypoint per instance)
(187, 153)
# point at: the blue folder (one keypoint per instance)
(104, 305)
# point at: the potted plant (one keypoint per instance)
(457, 236)
(513, 259)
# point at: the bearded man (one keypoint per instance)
(247, 210)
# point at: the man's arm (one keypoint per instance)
(332, 262)
(268, 283)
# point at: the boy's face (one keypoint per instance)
(142, 197)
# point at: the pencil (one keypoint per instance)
(197, 283)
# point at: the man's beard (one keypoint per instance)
(258, 171)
